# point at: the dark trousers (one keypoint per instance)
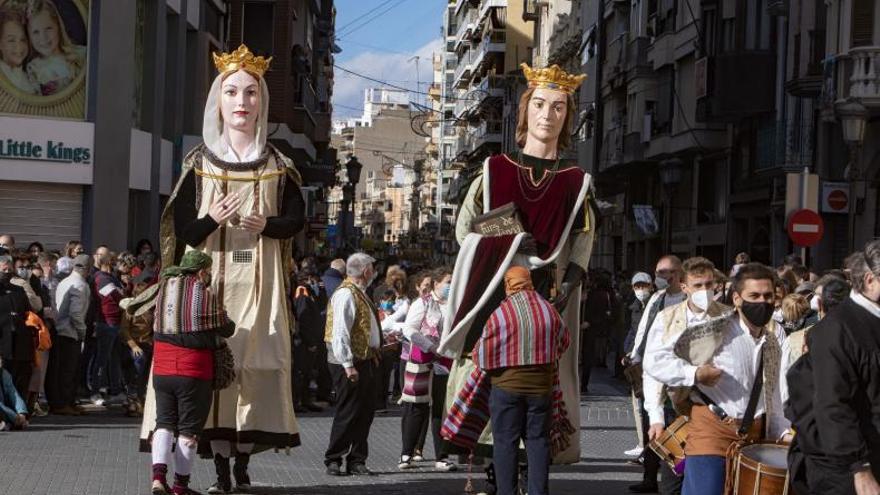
(515, 417)
(383, 378)
(182, 404)
(355, 407)
(588, 356)
(412, 424)
(650, 460)
(21, 371)
(303, 363)
(142, 367)
(438, 414)
(322, 370)
(61, 375)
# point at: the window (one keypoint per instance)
(257, 27)
(709, 31)
(863, 22)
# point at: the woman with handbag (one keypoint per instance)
(190, 328)
(424, 387)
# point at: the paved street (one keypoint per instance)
(96, 455)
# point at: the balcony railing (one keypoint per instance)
(466, 25)
(464, 68)
(864, 75)
(785, 144)
(612, 148)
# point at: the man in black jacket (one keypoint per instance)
(309, 305)
(16, 339)
(844, 349)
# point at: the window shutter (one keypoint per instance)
(862, 23)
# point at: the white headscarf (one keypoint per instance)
(212, 127)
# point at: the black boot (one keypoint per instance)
(224, 481)
(242, 480)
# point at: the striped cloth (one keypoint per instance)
(185, 305)
(525, 330)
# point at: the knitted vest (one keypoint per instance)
(360, 332)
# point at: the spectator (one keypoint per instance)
(309, 300)
(795, 309)
(72, 302)
(35, 249)
(354, 337)
(147, 263)
(394, 308)
(13, 410)
(143, 246)
(426, 377)
(16, 339)
(23, 277)
(136, 332)
(599, 312)
(334, 276)
(7, 242)
(107, 292)
(65, 262)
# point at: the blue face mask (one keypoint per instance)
(444, 292)
(387, 306)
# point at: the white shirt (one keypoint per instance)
(412, 328)
(344, 310)
(652, 389)
(671, 300)
(737, 358)
(394, 322)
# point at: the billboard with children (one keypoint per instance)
(43, 57)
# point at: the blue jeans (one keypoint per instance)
(516, 416)
(703, 475)
(105, 370)
(11, 404)
(142, 366)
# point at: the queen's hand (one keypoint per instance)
(224, 207)
(254, 223)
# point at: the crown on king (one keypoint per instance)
(242, 58)
(552, 77)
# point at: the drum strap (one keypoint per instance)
(749, 416)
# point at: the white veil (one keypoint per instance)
(212, 127)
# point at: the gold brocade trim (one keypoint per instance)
(264, 176)
(587, 225)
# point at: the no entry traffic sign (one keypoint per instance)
(805, 228)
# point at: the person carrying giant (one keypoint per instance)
(551, 200)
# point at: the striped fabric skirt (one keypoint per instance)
(417, 383)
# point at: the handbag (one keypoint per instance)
(224, 367)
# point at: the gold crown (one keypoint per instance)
(242, 58)
(552, 77)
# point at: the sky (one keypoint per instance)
(378, 38)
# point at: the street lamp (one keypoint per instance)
(353, 174)
(853, 121)
(671, 172)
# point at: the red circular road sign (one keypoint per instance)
(805, 228)
(838, 200)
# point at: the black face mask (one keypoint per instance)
(757, 313)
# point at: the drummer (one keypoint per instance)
(727, 381)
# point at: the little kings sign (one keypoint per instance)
(50, 151)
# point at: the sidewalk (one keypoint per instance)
(97, 455)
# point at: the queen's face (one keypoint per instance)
(240, 101)
(13, 43)
(546, 114)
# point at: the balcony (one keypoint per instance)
(493, 43)
(464, 69)
(491, 86)
(323, 125)
(466, 26)
(859, 76)
(636, 62)
(737, 85)
(488, 133)
(788, 145)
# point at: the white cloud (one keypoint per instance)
(396, 68)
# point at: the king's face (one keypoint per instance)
(546, 114)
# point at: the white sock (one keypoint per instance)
(161, 446)
(222, 447)
(244, 448)
(184, 455)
